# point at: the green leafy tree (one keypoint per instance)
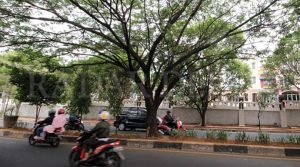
(36, 88)
(4, 76)
(81, 94)
(263, 102)
(6, 88)
(154, 36)
(212, 82)
(117, 88)
(292, 11)
(100, 82)
(284, 64)
(33, 82)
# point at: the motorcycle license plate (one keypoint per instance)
(119, 150)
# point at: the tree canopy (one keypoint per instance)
(284, 64)
(32, 81)
(151, 40)
(80, 100)
(210, 83)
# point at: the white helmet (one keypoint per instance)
(104, 115)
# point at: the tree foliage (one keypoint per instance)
(5, 86)
(98, 83)
(210, 83)
(80, 100)
(284, 64)
(263, 102)
(117, 89)
(158, 38)
(32, 85)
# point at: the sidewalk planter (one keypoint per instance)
(9, 121)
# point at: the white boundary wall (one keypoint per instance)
(219, 113)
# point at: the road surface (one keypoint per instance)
(18, 153)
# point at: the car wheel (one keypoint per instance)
(122, 127)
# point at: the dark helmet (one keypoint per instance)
(51, 112)
(168, 112)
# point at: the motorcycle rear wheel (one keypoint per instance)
(31, 140)
(113, 160)
(67, 127)
(81, 127)
(55, 143)
(74, 158)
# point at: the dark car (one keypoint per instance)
(132, 118)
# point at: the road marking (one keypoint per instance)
(218, 154)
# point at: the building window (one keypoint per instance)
(292, 97)
(246, 96)
(254, 97)
(253, 65)
(253, 80)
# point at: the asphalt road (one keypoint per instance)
(18, 153)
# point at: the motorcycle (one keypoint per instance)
(74, 123)
(166, 130)
(108, 154)
(51, 138)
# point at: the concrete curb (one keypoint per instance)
(186, 146)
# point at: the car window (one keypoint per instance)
(132, 112)
(143, 113)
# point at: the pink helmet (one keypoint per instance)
(61, 111)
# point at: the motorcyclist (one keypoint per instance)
(58, 123)
(45, 122)
(100, 134)
(169, 120)
(73, 118)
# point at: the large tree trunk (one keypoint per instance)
(151, 119)
(203, 119)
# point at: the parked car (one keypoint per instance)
(132, 118)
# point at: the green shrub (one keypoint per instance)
(263, 138)
(297, 139)
(180, 133)
(177, 133)
(222, 135)
(293, 139)
(281, 140)
(242, 137)
(210, 135)
(191, 133)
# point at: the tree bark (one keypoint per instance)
(152, 108)
(203, 118)
(258, 116)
